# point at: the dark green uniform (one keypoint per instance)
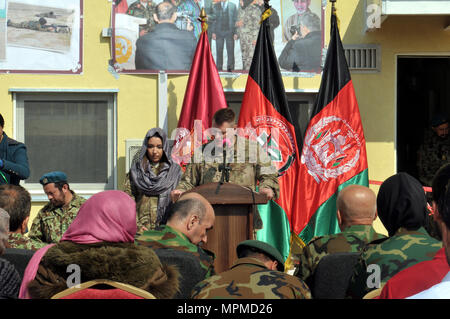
(51, 222)
(352, 239)
(16, 240)
(249, 278)
(164, 237)
(405, 249)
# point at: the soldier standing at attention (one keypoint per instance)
(356, 211)
(435, 150)
(143, 9)
(17, 202)
(258, 273)
(54, 218)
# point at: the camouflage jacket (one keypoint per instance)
(16, 240)
(165, 237)
(245, 170)
(146, 206)
(250, 17)
(352, 239)
(51, 222)
(249, 278)
(432, 155)
(405, 249)
(138, 10)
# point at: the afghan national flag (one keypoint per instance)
(121, 6)
(265, 112)
(204, 96)
(334, 148)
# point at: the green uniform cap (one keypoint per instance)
(53, 177)
(263, 247)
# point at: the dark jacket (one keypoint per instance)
(165, 48)
(219, 15)
(302, 54)
(15, 161)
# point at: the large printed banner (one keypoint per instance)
(41, 36)
(147, 38)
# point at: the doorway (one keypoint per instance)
(423, 89)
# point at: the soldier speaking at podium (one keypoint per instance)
(239, 170)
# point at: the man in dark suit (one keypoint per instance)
(166, 47)
(304, 51)
(224, 30)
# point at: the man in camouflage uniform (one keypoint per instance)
(40, 25)
(17, 202)
(245, 170)
(356, 211)
(54, 218)
(186, 229)
(247, 28)
(143, 9)
(257, 274)
(401, 207)
(435, 149)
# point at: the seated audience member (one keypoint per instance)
(9, 277)
(17, 202)
(356, 211)
(153, 175)
(256, 274)
(424, 275)
(441, 207)
(166, 47)
(186, 230)
(402, 209)
(4, 230)
(54, 218)
(100, 241)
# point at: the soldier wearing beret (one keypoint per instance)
(256, 274)
(54, 218)
(435, 149)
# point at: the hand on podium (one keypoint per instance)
(175, 194)
(268, 192)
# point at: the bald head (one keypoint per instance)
(356, 205)
(193, 215)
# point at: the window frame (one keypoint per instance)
(84, 189)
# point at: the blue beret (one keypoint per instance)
(264, 248)
(53, 177)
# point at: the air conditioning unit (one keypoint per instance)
(132, 148)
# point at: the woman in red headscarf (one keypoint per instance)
(100, 241)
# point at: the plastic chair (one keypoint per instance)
(114, 290)
(332, 275)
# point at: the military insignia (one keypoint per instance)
(275, 138)
(331, 148)
(124, 49)
(45, 180)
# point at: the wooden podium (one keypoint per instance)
(233, 207)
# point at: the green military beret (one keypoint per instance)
(264, 248)
(53, 177)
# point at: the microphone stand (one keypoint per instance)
(224, 168)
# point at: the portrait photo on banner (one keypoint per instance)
(153, 35)
(40, 36)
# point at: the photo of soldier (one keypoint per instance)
(274, 19)
(40, 27)
(143, 9)
(188, 16)
(247, 28)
